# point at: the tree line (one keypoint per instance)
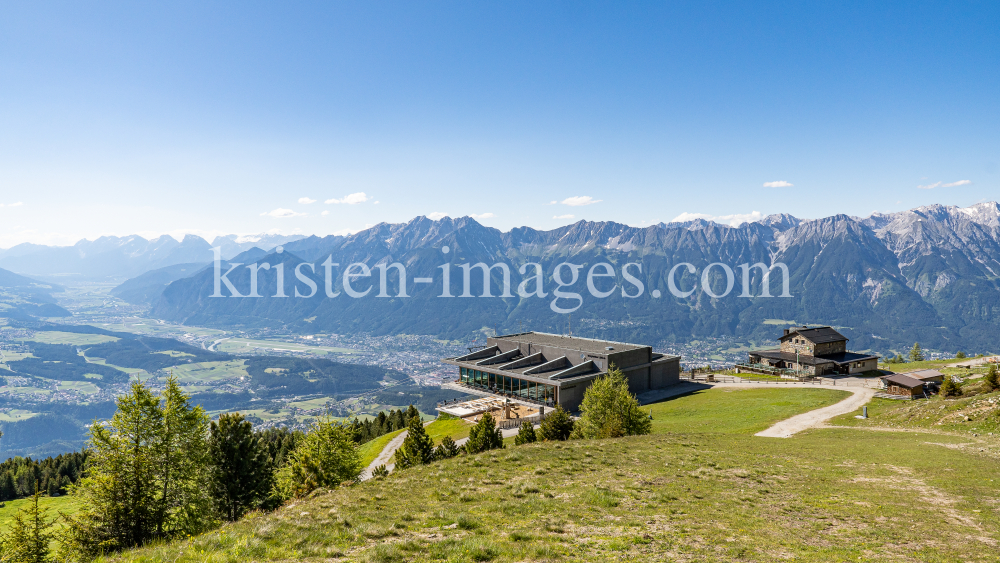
(53, 475)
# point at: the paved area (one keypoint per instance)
(973, 362)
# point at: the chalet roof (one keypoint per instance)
(819, 335)
(924, 374)
(903, 381)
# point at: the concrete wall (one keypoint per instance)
(867, 365)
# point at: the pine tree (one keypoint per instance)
(992, 379)
(608, 409)
(447, 448)
(557, 426)
(147, 476)
(916, 353)
(326, 457)
(380, 472)
(118, 498)
(411, 413)
(949, 388)
(526, 435)
(417, 448)
(240, 477)
(183, 465)
(28, 537)
(484, 436)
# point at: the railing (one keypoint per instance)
(719, 378)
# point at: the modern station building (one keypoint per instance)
(550, 369)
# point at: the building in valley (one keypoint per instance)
(811, 352)
(550, 369)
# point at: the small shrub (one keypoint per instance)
(557, 426)
(380, 472)
(466, 523)
(949, 388)
(992, 380)
(526, 435)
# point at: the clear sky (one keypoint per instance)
(229, 117)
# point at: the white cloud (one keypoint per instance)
(377, 202)
(778, 184)
(553, 202)
(306, 200)
(579, 200)
(325, 212)
(352, 199)
(929, 186)
(955, 184)
(18, 204)
(563, 216)
(282, 213)
(436, 215)
(482, 216)
(734, 220)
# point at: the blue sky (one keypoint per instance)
(215, 118)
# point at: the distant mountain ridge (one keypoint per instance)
(125, 257)
(888, 280)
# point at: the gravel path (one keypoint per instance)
(812, 419)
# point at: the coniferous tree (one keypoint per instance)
(556, 426)
(28, 535)
(608, 409)
(119, 497)
(326, 457)
(992, 379)
(411, 413)
(526, 435)
(949, 388)
(380, 472)
(447, 448)
(240, 477)
(916, 353)
(183, 465)
(417, 448)
(484, 436)
(147, 478)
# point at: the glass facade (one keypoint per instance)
(510, 386)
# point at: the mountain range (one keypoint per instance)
(888, 280)
(119, 258)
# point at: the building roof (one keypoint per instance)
(924, 374)
(588, 345)
(819, 335)
(903, 381)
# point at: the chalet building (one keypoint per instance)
(904, 386)
(549, 369)
(812, 351)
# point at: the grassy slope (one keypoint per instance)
(370, 450)
(56, 505)
(448, 426)
(937, 414)
(694, 492)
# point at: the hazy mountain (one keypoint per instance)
(234, 244)
(147, 288)
(23, 297)
(125, 257)
(923, 275)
